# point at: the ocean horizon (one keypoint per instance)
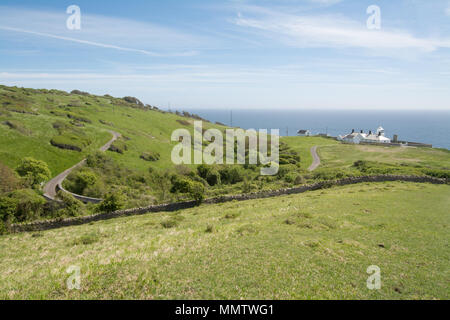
(430, 127)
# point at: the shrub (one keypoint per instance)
(180, 184)
(99, 160)
(150, 156)
(203, 170)
(29, 204)
(213, 177)
(70, 141)
(83, 179)
(197, 192)
(8, 179)
(112, 202)
(118, 146)
(36, 171)
(72, 207)
(8, 208)
(442, 174)
(231, 174)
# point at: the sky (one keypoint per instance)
(235, 54)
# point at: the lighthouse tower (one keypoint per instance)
(380, 131)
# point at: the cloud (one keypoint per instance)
(100, 31)
(447, 11)
(333, 31)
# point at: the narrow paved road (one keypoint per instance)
(50, 189)
(316, 159)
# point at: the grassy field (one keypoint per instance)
(344, 155)
(316, 245)
(36, 112)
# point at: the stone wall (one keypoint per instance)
(59, 223)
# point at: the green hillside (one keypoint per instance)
(312, 246)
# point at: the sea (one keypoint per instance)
(430, 127)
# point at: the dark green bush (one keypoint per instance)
(72, 207)
(442, 174)
(150, 156)
(112, 202)
(29, 204)
(232, 174)
(118, 146)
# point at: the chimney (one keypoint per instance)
(370, 132)
(362, 131)
(353, 130)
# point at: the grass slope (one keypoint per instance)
(315, 245)
(146, 130)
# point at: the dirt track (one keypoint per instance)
(316, 159)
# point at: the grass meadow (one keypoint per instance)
(317, 245)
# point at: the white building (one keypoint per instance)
(358, 137)
(304, 133)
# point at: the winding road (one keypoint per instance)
(51, 188)
(316, 159)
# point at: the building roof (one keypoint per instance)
(303, 131)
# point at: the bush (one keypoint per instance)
(150, 156)
(8, 208)
(72, 207)
(99, 160)
(8, 179)
(203, 170)
(442, 174)
(197, 192)
(118, 146)
(29, 205)
(83, 179)
(70, 141)
(180, 184)
(35, 171)
(232, 174)
(213, 178)
(113, 202)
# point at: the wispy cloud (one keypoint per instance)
(96, 44)
(330, 31)
(100, 31)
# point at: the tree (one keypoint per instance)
(36, 171)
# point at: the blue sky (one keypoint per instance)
(279, 54)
